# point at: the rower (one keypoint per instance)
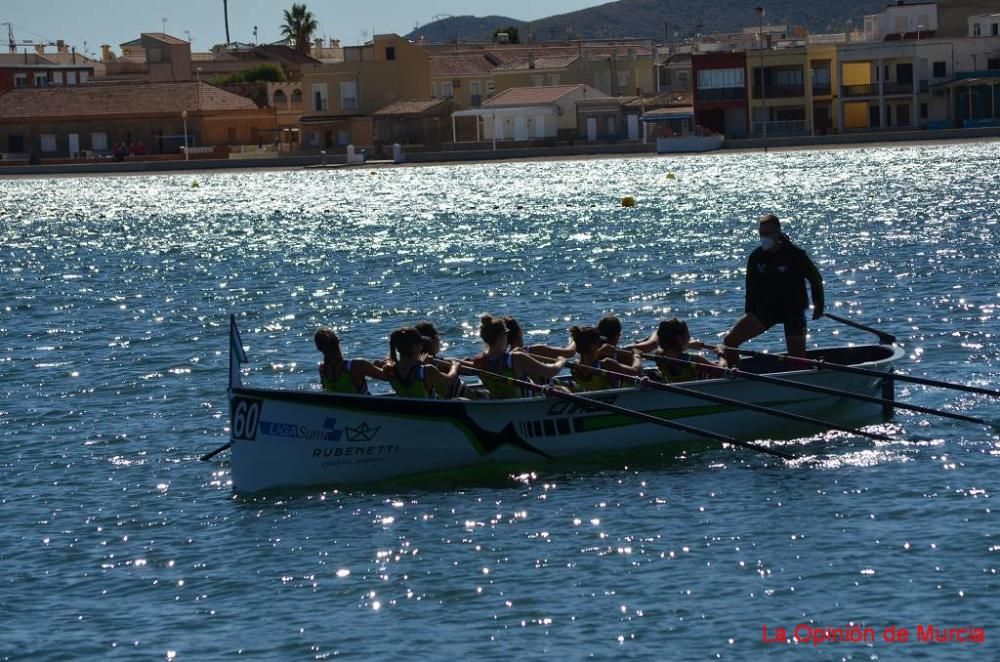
(507, 365)
(596, 352)
(432, 347)
(407, 374)
(674, 339)
(515, 341)
(339, 375)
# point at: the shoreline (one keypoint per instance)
(477, 157)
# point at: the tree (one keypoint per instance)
(299, 26)
(510, 31)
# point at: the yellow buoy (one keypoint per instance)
(628, 201)
(671, 175)
(195, 184)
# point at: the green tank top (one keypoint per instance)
(592, 380)
(674, 373)
(343, 383)
(411, 386)
(500, 389)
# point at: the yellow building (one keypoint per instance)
(797, 97)
(340, 98)
(465, 77)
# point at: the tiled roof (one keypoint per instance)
(285, 53)
(96, 100)
(536, 96)
(526, 61)
(411, 107)
(165, 38)
(460, 65)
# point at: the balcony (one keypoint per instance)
(871, 89)
(781, 91)
(822, 90)
(722, 94)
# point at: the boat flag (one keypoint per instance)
(237, 354)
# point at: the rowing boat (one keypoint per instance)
(285, 438)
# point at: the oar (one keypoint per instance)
(820, 364)
(751, 376)
(645, 382)
(208, 456)
(883, 337)
(648, 418)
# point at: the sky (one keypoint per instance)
(113, 22)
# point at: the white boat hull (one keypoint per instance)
(295, 438)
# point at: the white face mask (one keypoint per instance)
(767, 243)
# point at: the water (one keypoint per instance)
(118, 543)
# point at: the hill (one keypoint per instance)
(658, 19)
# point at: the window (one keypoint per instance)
(320, 97)
(48, 142)
(57, 78)
(553, 79)
(682, 79)
(995, 30)
(993, 63)
(475, 97)
(491, 88)
(279, 100)
(709, 79)
(447, 91)
(538, 80)
(84, 77)
(296, 98)
(788, 77)
(348, 95)
(622, 79)
(821, 77)
(71, 78)
(99, 141)
(41, 80)
(154, 55)
(940, 69)
(20, 80)
(923, 111)
(977, 30)
(390, 52)
(434, 90)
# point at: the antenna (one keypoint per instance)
(255, 34)
(164, 22)
(11, 44)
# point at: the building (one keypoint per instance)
(31, 70)
(423, 122)
(720, 98)
(154, 57)
(902, 21)
(524, 114)
(89, 120)
(799, 86)
(466, 78)
(342, 97)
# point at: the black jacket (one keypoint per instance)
(776, 281)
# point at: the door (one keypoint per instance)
(903, 114)
(592, 129)
(520, 128)
(612, 127)
(633, 127)
(539, 126)
(873, 118)
(497, 128)
(74, 145)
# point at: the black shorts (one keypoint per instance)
(794, 321)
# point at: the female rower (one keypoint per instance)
(596, 352)
(432, 347)
(339, 375)
(674, 340)
(406, 372)
(515, 341)
(505, 364)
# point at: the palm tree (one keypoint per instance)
(299, 26)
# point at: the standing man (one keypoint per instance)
(776, 291)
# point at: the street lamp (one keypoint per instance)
(184, 116)
(763, 92)
(919, 28)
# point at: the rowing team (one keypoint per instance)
(414, 370)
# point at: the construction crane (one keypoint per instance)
(12, 43)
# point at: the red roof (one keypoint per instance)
(411, 107)
(98, 99)
(165, 38)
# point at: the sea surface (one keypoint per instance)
(116, 542)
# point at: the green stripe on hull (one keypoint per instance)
(595, 423)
